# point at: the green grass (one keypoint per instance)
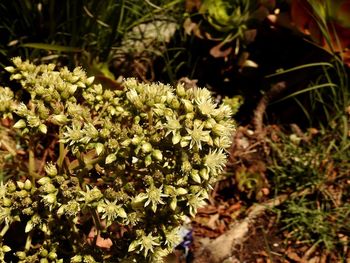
(317, 166)
(314, 168)
(35, 29)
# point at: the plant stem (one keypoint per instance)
(61, 153)
(31, 161)
(97, 224)
(28, 241)
(96, 220)
(4, 230)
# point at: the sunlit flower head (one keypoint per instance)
(197, 135)
(154, 197)
(215, 161)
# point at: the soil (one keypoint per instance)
(239, 227)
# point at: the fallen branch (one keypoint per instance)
(275, 90)
(221, 249)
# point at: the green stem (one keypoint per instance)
(96, 220)
(28, 241)
(4, 230)
(150, 118)
(31, 161)
(100, 113)
(61, 153)
(97, 224)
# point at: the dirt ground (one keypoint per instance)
(237, 227)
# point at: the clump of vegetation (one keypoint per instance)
(313, 168)
(103, 175)
(234, 18)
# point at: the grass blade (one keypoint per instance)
(51, 47)
(326, 85)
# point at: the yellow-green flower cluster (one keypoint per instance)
(53, 94)
(134, 162)
(6, 102)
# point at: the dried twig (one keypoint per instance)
(275, 90)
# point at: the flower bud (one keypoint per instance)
(76, 259)
(20, 185)
(173, 204)
(204, 174)
(27, 201)
(99, 147)
(175, 103)
(195, 189)
(10, 69)
(138, 201)
(146, 147)
(148, 160)
(181, 191)
(111, 158)
(176, 138)
(59, 119)
(50, 170)
(111, 110)
(20, 124)
(126, 142)
(5, 249)
(80, 84)
(136, 140)
(50, 199)
(184, 142)
(157, 154)
(209, 124)
(119, 108)
(180, 90)
(49, 188)
(33, 121)
(27, 185)
(65, 94)
(74, 79)
(188, 105)
(183, 181)
(72, 89)
(6, 202)
(16, 76)
(28, 211)
(44, 180)
(89, 80)
(220, 130)
(195, 176)
(11, 187)
(52, 255)
(42, 128)
(186, 166)
(108, 94)
(21, 255)
(190, 116)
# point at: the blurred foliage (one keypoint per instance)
(81, 32)
(234, 17)
(228, 23)
(326, 22)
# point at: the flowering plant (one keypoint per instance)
(125, 167)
